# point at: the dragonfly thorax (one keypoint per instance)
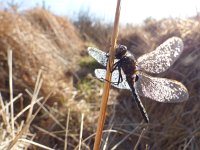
(126, 63)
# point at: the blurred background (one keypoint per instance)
(133, 12)
(53, 36)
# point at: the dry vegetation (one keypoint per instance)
(41, 40)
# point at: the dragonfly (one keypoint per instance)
(132, 74)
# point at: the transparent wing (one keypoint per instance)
(101, 73)
(99, 55)
(160, 89)
(163, 57)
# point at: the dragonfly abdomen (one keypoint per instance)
(137, 100)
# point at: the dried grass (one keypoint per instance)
(51, 44)
(16, 135)
(40, 39)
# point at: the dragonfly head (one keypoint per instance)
(120, 51)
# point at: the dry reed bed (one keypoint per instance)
(42, 40)
(39, 40)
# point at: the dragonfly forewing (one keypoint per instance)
(100, 56)
(163, 57)
(160, 89)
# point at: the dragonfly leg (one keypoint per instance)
(115, 65)
(120, 79)
(118, 65)
(115, 83)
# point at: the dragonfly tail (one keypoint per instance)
(139, 105)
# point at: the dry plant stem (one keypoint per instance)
(32, 116)
(3, 114)
(36, 144)
(11, 90)
(104, 101)
(25, 109)
(46, 110)
(67, 127)
(8, 104)
(81, 131)
(35, 94)
(27, 125)
(141, 135)
(48, 133)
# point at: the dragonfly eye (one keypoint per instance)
(120, 51)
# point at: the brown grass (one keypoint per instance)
(40, 39)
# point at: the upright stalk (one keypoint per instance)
(106, 90)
